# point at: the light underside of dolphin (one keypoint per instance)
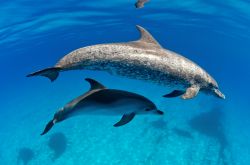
(144, 59)
(102, 101)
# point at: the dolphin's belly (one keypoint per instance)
(157, 65)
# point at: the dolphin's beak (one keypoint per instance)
(219, 94)
(159, 112)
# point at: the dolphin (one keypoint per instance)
(143, 59)
(140, 3)
(102, 101)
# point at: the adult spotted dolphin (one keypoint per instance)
(102, 101)
(143, 59)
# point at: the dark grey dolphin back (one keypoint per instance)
(108, 96)
(94, 87)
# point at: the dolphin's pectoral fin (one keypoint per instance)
(191, 92)
(125, 119)
(175, 93)
(188, 94)
(48, 126)
(51, 73)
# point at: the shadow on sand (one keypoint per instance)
(159, 127)
(182, 133)
(159, 124)
(58, 144)
(210, 124)
(25, 155)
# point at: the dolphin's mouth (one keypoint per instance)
(219, 94)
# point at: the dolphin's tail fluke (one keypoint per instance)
(48, 126)
(51, 73)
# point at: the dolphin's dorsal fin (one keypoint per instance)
(94, 84)
(146, 37)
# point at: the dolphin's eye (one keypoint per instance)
(210, 85)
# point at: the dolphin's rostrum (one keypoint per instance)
(102, 101)
(143, 59)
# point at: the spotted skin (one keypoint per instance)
(159, 66)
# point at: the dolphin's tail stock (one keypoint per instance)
(51, 73)
(50, 124)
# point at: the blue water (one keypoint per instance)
(202, 131)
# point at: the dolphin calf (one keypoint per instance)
(102, 101)
(144, 59)
(140, 3)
